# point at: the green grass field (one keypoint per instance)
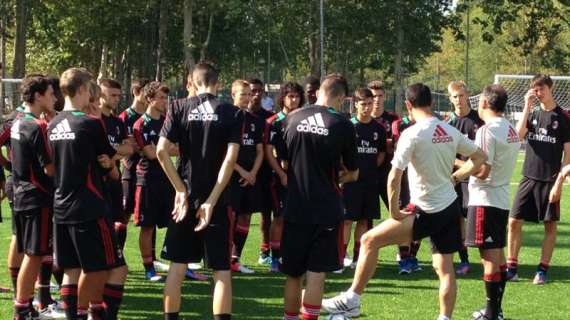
(388, 296)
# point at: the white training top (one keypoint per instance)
(500, 141)
(430, 147)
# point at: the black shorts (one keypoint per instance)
(265, 194)
(129, 188)
(91, 246)
(531, 202)
(9, 187)
(213, 244)
(278, 197)
(310, 247)
(404, 190)
(115, 195)
(154, 203)
(360, 202)
(443, 228)
(34, 231)
(245, 200)
(486, 227)
(462, 190)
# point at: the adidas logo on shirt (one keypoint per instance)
(313, 124)
(62, 132)
(204, 112)
(513, 136)
(441, 136)
(15, 130)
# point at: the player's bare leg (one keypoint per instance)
(173, 286)
(146, 248)
(361, 227)
(222, 298)
(443, 265)
(69, 291)
(275, 232)
(292, 297)
(264, 228)
(90, 292)
(548, 243)
(25, 284)
(514, 246)
(14, 262)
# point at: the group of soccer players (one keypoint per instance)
(79, 170)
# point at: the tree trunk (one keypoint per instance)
(204, 49)
(162, 26)
(3, 31)
(19, 64)
(104, 63)
(188, 45)
(398, 67)
(314, 55)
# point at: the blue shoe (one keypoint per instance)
(414, 265)
(152, 276)
(512, 275)
(274, 268)
(194, 275)
(462, 269)
(405, 267)
(264, 259)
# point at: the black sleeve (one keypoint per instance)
(122, 130)
(171, 127)
(235, 127)
(382, 138)
(259, 128)
(349, 151)
(102, 145)
(41, 147)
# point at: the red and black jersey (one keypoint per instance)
(399, 126)
(252, 135)
(467, 125)
(129, 117)
(30, 155)
(370, 141)
(548, 131)
(5, 136)
(203, 127)
(147, 131)
(264, 174)
(115, 128)
(317, 139)
(274, 135)
(76, 140)
(386, 119)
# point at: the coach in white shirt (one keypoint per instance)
(489, 200)
(427, 149)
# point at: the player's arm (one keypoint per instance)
(556, 191)
(394, 186)
(522, 124)
(349, 156)
(204, 214)
(163, 156)
(470, 167)
(271, 136)
(149, 151)
(258, 160)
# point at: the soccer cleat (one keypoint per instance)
(404, 267)
(539, 278)
(512, 275)
(353, 266)
(152, 276)
(414, 264)
(238, 267)
(479, 313)
(264, 259)
(462, 269)
(338, 317)
(161, 266)
(193, 275)
(274, 268)
(341, 304)
(194, 266)
(339, 271)
(347, 261)
(52, 311)
(3, 289)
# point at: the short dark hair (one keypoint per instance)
(255, 81)
(72, 79)
(312, 80)
(361, 94)
(151, 89)
(376, 85)
(541, 80)
(204, 74)
(497, 97)
(290, 87)
(110, 83)
(32, 84)
(419, 95)
(138, 85)
(334, 85)
(60, 102)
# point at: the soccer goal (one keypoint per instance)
(10, 94)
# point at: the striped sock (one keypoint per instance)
(310, 312)
(113, 297)
(291, 315)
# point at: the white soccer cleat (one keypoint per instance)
(342, 304)
(347, 261)
(161, 266)
(194, 266)
(244, 269)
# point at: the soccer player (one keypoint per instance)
(557, 189)
(316, 138)
(244, 190)
(85, 247)
(467, 121)
(312, 84)
(361, 197)
(33, 193)
(290, 98)
(427, 149)
(386, 118)
(489, 199)
(547, 131)
(209, 135)
(264, 174)
(154, 194)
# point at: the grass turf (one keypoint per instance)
(388, 295)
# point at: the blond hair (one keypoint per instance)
(72, 79)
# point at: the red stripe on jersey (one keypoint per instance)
(90, 185)
(479, 225)
(137, 213)
(230, 214)
(44, 229)
(43, 127)
(137, 132)
(107, 241)
(335, 184)
(35, 181)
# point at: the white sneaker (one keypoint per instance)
(338, 317)
(161, 266)
(244, 269)
(353, 266)
(194, 266)
(53, 311)
(341, 304)
(339, 271)
(347, 261)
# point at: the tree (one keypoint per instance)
(19, 64)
